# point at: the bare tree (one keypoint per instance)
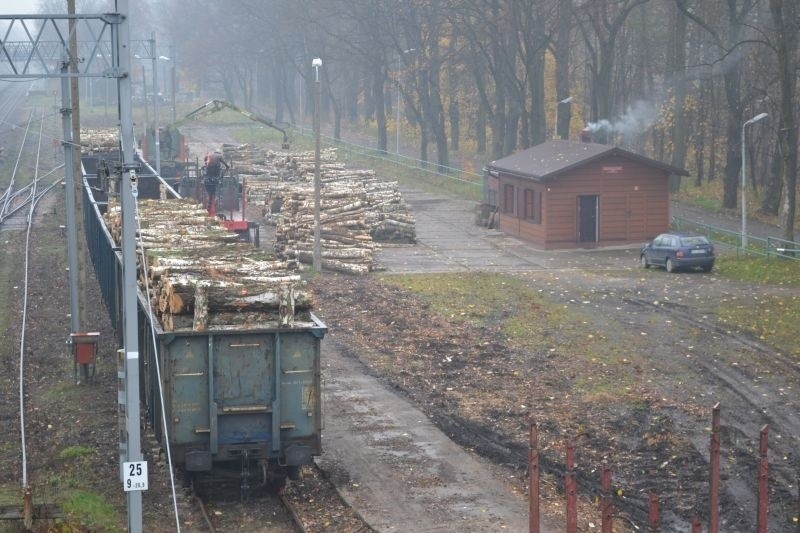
(729, 45)
(678, 73)
(784, 15)
(600, 22)
(561, 54)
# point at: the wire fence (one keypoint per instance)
(425, 167)
(762, 246)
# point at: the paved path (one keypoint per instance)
(397, 469)
(450, 241)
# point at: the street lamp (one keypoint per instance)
(144, 99)
(156, 110)
(157, 106)
(397, 122)
(566, 100)
(173, 91)
(744, 177)
(317, 260)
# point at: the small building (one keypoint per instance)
(569, 194)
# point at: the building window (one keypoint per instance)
(533, 206)
(491, 197)
(508, 198)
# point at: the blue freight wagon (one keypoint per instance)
(241, 402)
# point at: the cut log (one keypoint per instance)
(253, 297)
(200, 322)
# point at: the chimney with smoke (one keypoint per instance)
(586, 135)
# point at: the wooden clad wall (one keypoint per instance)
(515, 223)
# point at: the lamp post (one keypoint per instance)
(144, 96)
(744, 177)
(172, 81)
(157, 106)
(156, 109)
(317, 261)
(566, 100)
(397, 121)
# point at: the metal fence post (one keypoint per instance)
(570, 487)
(533, 465)
(606, 507)
(653, 514)
(713, 499)
(763, 481)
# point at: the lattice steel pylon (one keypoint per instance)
(105, 52)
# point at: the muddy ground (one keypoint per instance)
(649, 411)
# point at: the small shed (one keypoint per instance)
(569, 194)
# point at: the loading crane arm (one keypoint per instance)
(213, 106)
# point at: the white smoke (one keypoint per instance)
(628, 131)
(636, 120)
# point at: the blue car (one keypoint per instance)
(676, 251)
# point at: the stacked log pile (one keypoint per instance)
(389, 218)
(357, 209)
(200, 276)
(386, 213)
(99, 140)
(346, 245)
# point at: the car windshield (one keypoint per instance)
(694, 241)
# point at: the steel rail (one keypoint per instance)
(25, 312)
(33, 195)
(8, 194)
(9, 105)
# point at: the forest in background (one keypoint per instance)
(676, 80)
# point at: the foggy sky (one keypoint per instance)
(16, 7)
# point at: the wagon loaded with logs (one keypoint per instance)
(199, 274)
(102, 140)
(229, 345)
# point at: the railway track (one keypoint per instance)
(308, 505)
(18, 205)
(22, 190)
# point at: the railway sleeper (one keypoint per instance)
(248, 473)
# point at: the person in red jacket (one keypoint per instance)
(214, 163)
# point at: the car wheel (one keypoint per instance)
(670, 265)
(707, 268)
(643, 259)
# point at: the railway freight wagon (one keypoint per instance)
(238, 401)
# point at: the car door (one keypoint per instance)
(657, 254)
(668, 249)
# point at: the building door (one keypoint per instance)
(587, 218)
